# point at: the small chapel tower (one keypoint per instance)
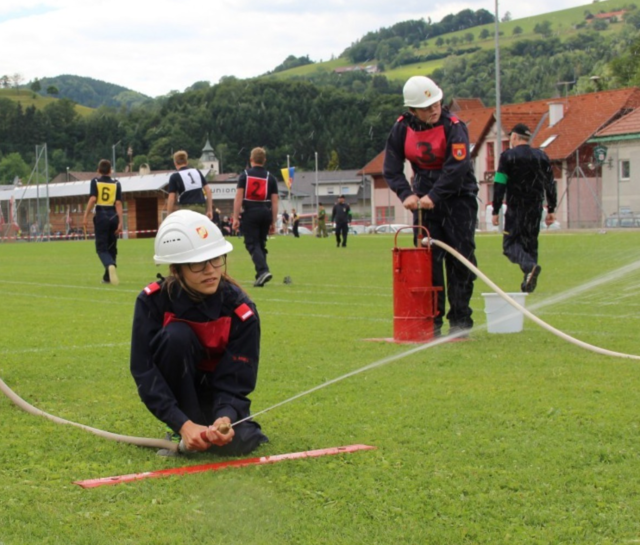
(209, 159)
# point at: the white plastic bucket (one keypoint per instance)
(501, 316)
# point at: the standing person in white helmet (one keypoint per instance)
(195, 343)
(442, 191)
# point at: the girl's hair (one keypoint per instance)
(176, 277)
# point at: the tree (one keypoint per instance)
(52, 90)
(484, 34)
(5, 81)
(35, 86)
(17, 79)
(517, 30)
(543, 28)
(334, 161)
(506, 17)
(13, 165)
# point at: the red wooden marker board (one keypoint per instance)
(93, 483)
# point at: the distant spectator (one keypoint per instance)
(341, 216)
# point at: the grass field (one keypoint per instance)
(28, 98)
(519, 438)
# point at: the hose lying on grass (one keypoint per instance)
(174, 447)
(427, 242)
(140, 441)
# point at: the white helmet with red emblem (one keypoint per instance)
(420, 92)
(188, 237)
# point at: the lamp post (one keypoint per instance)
(113, 155)
(498, 149)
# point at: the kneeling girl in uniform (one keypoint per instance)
(196, 340)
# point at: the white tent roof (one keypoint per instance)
(146, 182)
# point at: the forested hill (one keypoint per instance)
(344, 117)
(91, 92)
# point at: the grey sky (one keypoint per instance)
(164, 45)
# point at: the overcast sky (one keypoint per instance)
(163, 45)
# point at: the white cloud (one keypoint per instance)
(169, 44)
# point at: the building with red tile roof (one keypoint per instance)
(563, 127)
(619, 155)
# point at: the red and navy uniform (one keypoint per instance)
(107, 192)
(442, 169)
(259, 186)
(198, 361)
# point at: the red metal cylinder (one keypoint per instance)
(415, 300)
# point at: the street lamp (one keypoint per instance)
(113, 151)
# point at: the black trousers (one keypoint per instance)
(342, 230)
(255, 229)
(105, 226)
(521, 231)
(177, 352)
(453, 221)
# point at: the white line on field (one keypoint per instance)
(60, 348)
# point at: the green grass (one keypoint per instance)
(562, 25)
(28, 98)
(520, 438)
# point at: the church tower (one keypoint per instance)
(209, 159)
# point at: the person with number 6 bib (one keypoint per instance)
(106, 195)
(257, 200)
(442, 193)
(195, 343)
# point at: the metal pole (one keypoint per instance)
(289, 185)
(113, 156)
(37, 189)
(46, 177)
(317, 196)
(498, 149)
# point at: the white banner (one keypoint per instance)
(223, 191)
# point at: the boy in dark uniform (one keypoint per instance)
(257, 199)
(188, 190)
(106, 194)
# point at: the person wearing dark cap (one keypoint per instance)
(441, 193)
(340, 216)
(525, 175)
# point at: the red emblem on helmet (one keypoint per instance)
(459, 151)
(202, 232)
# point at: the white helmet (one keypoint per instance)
(420, 92)
(188, 237)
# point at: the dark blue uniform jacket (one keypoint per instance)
(235, 374)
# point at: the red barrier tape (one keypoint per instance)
(93, 483)
(75, 236)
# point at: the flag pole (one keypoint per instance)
(289, 184)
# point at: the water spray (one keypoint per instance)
(176, 447)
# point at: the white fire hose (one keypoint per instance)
(174, 447)
(427, 241)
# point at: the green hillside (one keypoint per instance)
(564, 25)
(28, 98)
